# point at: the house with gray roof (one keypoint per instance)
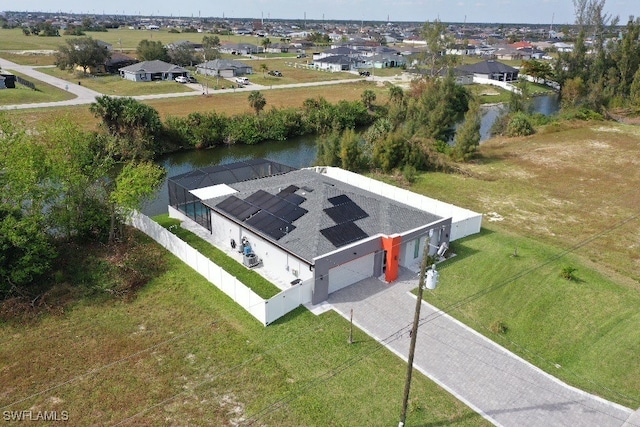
(311, 225)
(226, 68)
(492, 70)
(148, 71)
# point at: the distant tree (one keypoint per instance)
(539, 70)
(368, 97)
(150, 50)
(257, 101)
(211, 47)
(396, 94)
(467, 136)
(84, 52)
(26, 31)
(265, 44)
(182, 54)
(434, 56)
(264, 68)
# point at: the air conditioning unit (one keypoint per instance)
(250, 260)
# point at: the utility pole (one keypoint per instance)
(414, 329)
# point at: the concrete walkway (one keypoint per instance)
(499, 385)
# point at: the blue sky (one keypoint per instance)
(503, 11)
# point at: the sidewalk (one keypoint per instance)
(502, 387)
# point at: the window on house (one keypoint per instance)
(416, 249)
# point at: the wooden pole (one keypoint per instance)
(414, 336)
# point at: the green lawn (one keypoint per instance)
(29, 59)
(250, 278)
(24, 95)
(116, 85)
(182, 353)
(583, 331)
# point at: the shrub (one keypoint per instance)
(568, 273)
(519, 125)
(499, 327)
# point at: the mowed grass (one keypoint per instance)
(292, 71)
(566, 196)
(583, 331)
(115, 85)
(24, 95)
(182, 353)
(250, 278)
(33, 59)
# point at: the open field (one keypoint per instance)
(122, 38)
(115, 85)
(564, 197)
(182, 353)
(24, 95)
(29, 58)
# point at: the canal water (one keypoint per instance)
(298, 152)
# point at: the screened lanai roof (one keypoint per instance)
(230, 173)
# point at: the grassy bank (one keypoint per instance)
(23, 95)
(570, 188)
(182, 353)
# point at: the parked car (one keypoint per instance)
(275, 73)
(365, 73)
(192, 79)
(242, 80)
(301, 55)
(181, 79)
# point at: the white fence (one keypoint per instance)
(503, 85)
(266, 311)
(463, 221)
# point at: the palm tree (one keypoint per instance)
(257, 101)
(264, 68)
(265, 44)
(368, 96)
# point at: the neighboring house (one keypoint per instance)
(386, 60)
(563, 47)
(311, 226)
(226, 68)
(118, 60)
(509, 53)
(240, 49)
(340, 63)
(492, 70)
(152, 70)
(279, 48)
(184, 43)
(338, 51)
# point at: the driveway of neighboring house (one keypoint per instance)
(499, 385)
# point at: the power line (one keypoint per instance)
(397, 334)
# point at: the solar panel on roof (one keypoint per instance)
(293, 214)
(290, 189)
(228, 203)
(294, 198)
(347, 212)
(343, 234)
(339, 200)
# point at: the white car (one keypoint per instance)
(242, 80)
(181, 79)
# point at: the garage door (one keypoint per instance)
(351, 272)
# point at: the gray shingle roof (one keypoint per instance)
(305, 241)
(488, 67)
(155, 66)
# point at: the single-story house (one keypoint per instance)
(340, 63)
(492, 70)
(312, 225)
(240, 49)
(338, 51)
(225, 68)
(118, 60)
(386, 60)
(147, 71)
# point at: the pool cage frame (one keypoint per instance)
(180, 186)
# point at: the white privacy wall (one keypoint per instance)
(266, 311)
